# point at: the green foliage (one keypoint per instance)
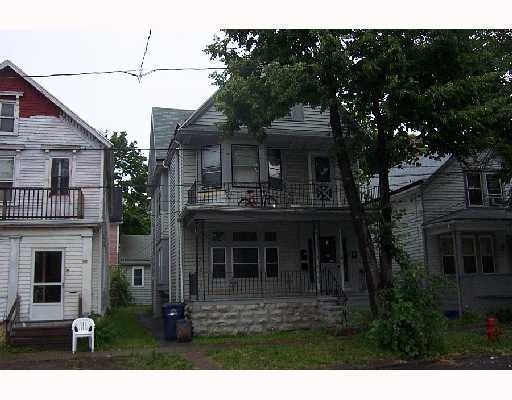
(502, 314)
(131, 174)
(105, 332)
(120, 295)
(409, 321)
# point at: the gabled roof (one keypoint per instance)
(134, 248)
(163, 122)
(103, 140)
(200, 111)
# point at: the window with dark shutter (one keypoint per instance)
(60, 176)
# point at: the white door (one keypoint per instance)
(322, 176)
(47, 286)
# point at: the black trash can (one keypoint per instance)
(171, 312)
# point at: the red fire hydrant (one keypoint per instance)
(492, 333)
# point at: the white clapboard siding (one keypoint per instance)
(5, 250)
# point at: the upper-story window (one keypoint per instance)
(245, 164)
(60, 176)
(296, 113)
(7, 116)
(211, 167)
(483, 189)
(6, 178)
(275, 170)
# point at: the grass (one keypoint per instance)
(257, 339)
(155, 360)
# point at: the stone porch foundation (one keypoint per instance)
(233, 317)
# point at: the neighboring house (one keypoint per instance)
(54, 206)
(135, 262)
(457, 220)
(163, 125)
(260, 234)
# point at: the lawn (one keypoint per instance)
(155, 360)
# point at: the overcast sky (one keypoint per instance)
(115, 102)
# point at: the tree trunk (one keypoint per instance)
(358, 214)
(386, 211)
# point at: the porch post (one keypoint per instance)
(316, 243)
(12, 290)
(341, 258)
(459, 262)
(196, 238)
(87, 273)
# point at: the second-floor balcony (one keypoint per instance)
(271, 196)
(24, 203)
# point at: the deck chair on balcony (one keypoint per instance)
(83, 327)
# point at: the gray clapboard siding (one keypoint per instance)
(5, 250)
(140, 295)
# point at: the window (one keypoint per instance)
(245, 262)
(469, 254)
(487, 254)
(275, 178)
(322, 169)
(245, 236)
(218, 262)
(7, 116)
(474, 189)
(60, 176)
(245, 164)
(138, 276)
(6, 178)
(327, 249)
(271, 262)
(211, 168)
(493, 186)
(270, 236)
(447, 254)
(47, 277)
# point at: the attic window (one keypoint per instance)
(7, 116)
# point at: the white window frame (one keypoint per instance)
(133, 276)
(491, 239)
(491, 201)
(233, 260)
(16, 114)
(265, 261)
(468, 188)
(233, 166)
(474, 254)
(225, 261)
(70, 168)
(447, 237)
(204, 171)
(13, 169)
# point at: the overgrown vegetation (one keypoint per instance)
(120, 295)
(502, 314)
(410, 322)
(156, 360)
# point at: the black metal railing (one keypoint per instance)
(206, 286)
(41, 203)
(265, 195)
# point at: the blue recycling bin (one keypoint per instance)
(171, 312)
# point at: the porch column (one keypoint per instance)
(12, 289)
(316, 244)
(459, 262)
(86, 273)
(196, 238)
(341, 258)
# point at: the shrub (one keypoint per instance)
(105, 331)
(502, 314)
(409, 321)
(119, 289)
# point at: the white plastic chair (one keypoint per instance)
(83, 327)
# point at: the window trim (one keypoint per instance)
(233, 260)
(265, 260)
(133, 277)
(480, 256)
(201, 164)
(225, 261)
(249, 184)
(33, 272)
(16, 115)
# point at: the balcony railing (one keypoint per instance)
(206, 286)
(40, 203)
(265, 195)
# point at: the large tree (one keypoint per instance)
(379, 87)
(131, 173)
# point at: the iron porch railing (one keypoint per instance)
(265, 195)
(40, 203)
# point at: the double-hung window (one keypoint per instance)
(7, 116)
(487, 254)
(275, 171)
(60, 176)
(6, 178)
(218, 262)
(211, 168)
(271, 262)
(493, 186)
(447, 254)
(245, 164)
(138, 277)
(469, 254)
(245, 262)
(474, 189)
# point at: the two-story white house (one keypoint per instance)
(456, 219)
(55, 181)
(260, 233)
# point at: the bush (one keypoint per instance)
(409, 321)
(503, 314)
(105, 331)
(119, 289)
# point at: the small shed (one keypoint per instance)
(135, 262)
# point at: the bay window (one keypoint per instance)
(469, 254)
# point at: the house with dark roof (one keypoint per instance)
(164, 122)
(135, 263)
(456, 219)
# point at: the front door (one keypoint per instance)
(323, 193)
(47, 286)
